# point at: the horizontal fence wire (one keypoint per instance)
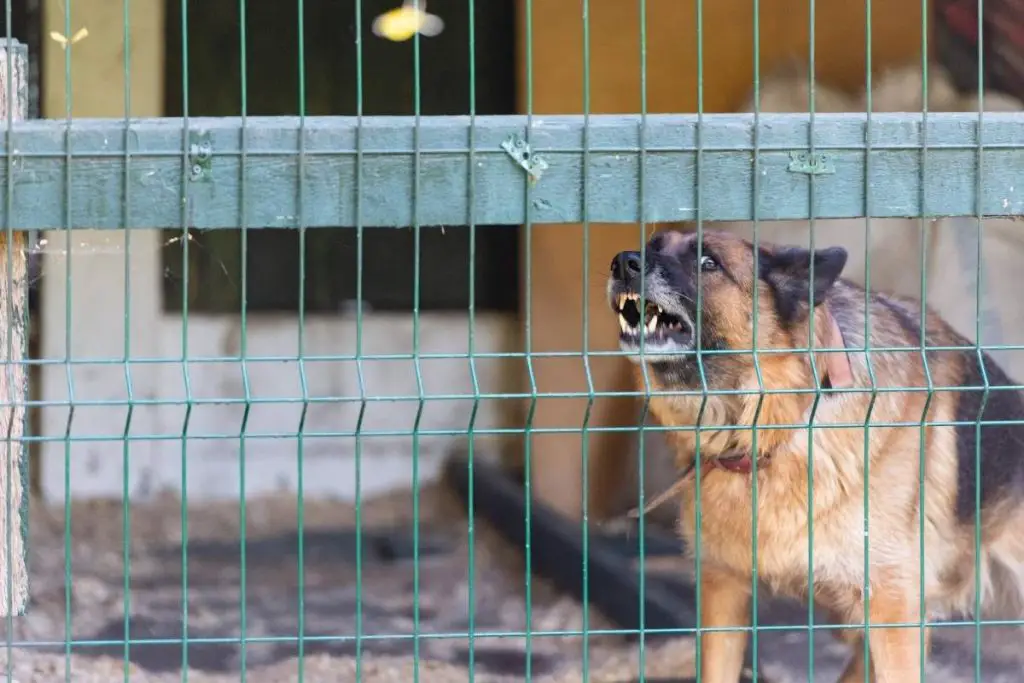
(308, 418)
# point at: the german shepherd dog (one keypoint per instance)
(884, 422)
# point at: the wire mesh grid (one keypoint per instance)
(272, 421)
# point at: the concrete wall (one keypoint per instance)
(96, 335)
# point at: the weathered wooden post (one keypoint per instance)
(13, 338)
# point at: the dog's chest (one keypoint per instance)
(784, 551)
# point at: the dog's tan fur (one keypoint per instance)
(892, 530)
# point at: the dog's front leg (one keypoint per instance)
(855, 669)
(854, 672)
(896, 651)
(725, 604)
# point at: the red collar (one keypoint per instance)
(739, 463)
(736, 463)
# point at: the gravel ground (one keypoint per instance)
(389, 610)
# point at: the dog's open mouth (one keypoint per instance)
(659, 327)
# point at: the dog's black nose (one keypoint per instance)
(626, 265)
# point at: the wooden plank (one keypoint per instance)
(14, 380)
(379, 189)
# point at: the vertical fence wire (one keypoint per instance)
(300, 488)
(416, 279)
(755, 192)
(359, 342)
(811, 88)
(528, 350)
(699, 325)
(585, 318)
(244, 344)
(924, 232)
(641, 460)
(471, 353)
(979, 175)
(126, 445)
(186, 375)
(868, 207)
(68, 348)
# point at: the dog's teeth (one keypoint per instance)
(620, 301)
(623, 324)
(652, 325)
(659, 310)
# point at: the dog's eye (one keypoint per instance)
(707, 263)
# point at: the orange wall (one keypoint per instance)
(672, 74)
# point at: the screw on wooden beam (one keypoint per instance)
(520, 151)
(809, 163)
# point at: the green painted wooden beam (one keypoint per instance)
(211, 154)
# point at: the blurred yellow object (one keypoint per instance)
(64, 41)
(404, 22)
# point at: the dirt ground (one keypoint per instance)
(389, 612)
(388, 608)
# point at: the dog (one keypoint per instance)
(884, 420)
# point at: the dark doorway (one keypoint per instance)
(329, 265)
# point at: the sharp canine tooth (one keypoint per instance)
(621, 301)
(652, 325)
(623, 324)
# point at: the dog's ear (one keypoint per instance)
(788, 271)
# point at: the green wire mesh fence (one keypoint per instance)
(297, 280)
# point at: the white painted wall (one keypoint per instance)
(96, 334)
